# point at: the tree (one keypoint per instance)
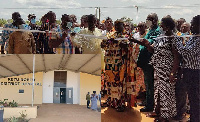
(10, 20)
(39, 23)
(127, 19)
(27, 22)
(58, 22)
(2, 22)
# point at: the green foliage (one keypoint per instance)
(4, 103)
(159, 23)
(27, 22)
(3, 22)
(39, 23)
(10, 20)
(8, 104)
(13, 104)
(12, 119)
(22, 118)
(135, 25)
(58, 22)
(127, 19)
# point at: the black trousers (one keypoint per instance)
(192, 79)
(88, 103)
(149, 83)
(181, 95)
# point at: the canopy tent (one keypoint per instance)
(14, 65)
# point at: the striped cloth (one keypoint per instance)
(66, 47)
(190, 51)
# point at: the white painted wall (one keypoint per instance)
(73, 80)
(48, 80)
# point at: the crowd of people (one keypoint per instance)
(50, 37)
(169, 56)
(165, 57)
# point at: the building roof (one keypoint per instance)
(13, 65)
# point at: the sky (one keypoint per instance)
(112, 8)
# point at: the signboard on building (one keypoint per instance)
(14, 81)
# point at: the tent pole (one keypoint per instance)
(33, 82)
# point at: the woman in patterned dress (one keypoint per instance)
(120, 62)
(162, 61)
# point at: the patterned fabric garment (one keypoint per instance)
(5, 35)
(190, 51)
(88, 45)
(120, 68)
(139, 81)
(21, 43)
(139, 73)
(66, 47)
(164, 91)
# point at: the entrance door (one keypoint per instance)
(62, 95)
(69, 95)
(56, 95)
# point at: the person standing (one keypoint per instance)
(140, 75)
(87, 44)
(164, 56)
(144, 58)
(179, 22)
(190, 53)
(21, 42)
(33, 26)
(182, 103)
(94, 99)
(6, 33)
(88, 99)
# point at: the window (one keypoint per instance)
(60, 78)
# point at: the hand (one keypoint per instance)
(172, 79)
(145, 42)
(47, 32)
(64, 34)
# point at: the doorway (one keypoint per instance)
(69, 96)
(62, 95)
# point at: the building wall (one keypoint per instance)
(48, 80)
(88, 83)
(43, 93)
(11, 92)
(73, 81)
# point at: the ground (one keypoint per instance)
(66, 113)
(109, 114)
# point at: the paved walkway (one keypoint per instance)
(66, 113)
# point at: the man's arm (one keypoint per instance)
(55, 43)
(33, 43)
(11, 44)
